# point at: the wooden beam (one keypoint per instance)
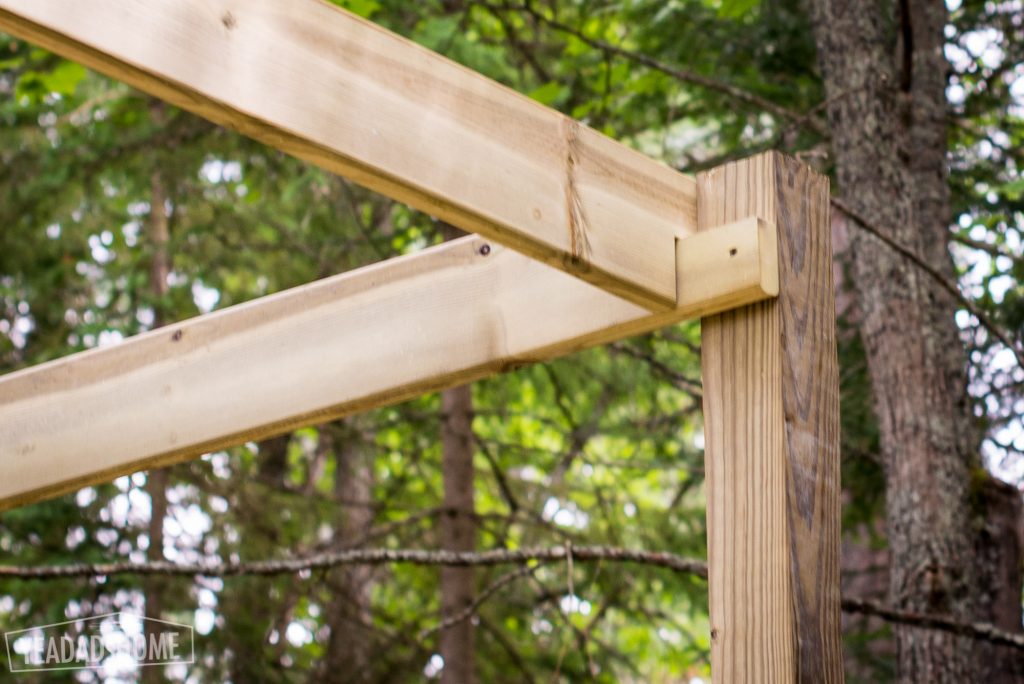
(326, 86)
(367, 338)
(771, 412)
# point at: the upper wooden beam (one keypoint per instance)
(370, 337)
(326, 86)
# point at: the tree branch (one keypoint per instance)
(470, 610)
(683, 75)
(919, 261)
(981, 631)
(991, 249)
(688, 385)
(287, 566)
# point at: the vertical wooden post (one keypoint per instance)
(771, 413)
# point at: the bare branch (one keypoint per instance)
(688, 385)
(287, 566)
(991, 249)
(941, 280)
(677, 73)
(470, 610)
(981, 631)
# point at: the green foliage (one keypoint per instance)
(364, 8)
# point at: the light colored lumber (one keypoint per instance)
(771, 413)
(326, 86)
(367, 338)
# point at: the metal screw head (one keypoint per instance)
(484, 250)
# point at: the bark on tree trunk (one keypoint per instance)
(349, 651)
(153, 586)
(458, 533)
(457, 524)
(884, 75)
(156, 480)
(998, 511)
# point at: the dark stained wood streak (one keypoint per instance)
(771, 393)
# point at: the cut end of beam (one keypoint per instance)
(729, 266)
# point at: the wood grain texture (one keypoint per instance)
(324, 85)
(374, 336)
(771, 411)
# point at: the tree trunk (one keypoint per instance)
(998, 557)
(458, 533)
(156, 479)
(884, 74)
(349, 651)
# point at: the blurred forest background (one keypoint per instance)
(119, 213)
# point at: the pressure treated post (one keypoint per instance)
(771, 412)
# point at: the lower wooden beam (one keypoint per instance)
(374, 336)
(771, 412)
